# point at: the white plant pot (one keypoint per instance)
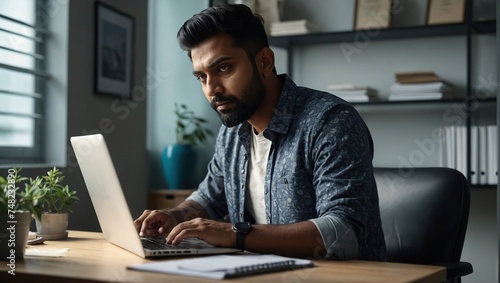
(53, 226)
(15, 236)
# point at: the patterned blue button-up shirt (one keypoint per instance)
(319, 167)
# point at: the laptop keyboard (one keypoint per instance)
(157, 244)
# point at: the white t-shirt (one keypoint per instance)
(259, 153)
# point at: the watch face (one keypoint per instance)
(242, 226)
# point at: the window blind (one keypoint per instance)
(23, 81)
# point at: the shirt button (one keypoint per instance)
(242, 171)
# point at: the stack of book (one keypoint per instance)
(292, 27)
(416, 77)
(352, 93)
(420, 86)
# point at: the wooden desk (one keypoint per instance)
(92, 259)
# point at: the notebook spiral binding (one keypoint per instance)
(264, 267)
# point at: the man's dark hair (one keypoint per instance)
(237, 20)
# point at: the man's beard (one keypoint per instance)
(246, 106)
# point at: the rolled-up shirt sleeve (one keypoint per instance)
(339, 238)
(196, 197)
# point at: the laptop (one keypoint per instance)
(112, 210)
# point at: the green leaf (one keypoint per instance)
(190, 129)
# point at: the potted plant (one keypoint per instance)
(53, 208)
(179, 159)
(16, 207)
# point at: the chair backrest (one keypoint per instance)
(424, 213)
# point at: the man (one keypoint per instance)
(292, 166)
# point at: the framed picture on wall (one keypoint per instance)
(372, 14)
(114, 37)
(217, 2)
(445, 12)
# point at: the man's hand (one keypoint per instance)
(213, 232)
(154, 222)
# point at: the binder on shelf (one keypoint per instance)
(442, 148)
(224, 266)
(450, 147)
(492, 155)
(483, 156)
(474, 162)
(461, 149)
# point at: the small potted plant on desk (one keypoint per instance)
(56, 202)
(179, 159)
(16, 207)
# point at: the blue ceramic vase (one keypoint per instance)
(178, 162)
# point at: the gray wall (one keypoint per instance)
(88, 111)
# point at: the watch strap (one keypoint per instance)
(240, 240)
(241, 229)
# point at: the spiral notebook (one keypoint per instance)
(224, 266)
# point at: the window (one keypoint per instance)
(22, 81)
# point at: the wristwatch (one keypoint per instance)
(241, 229)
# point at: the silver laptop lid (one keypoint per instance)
(106, 193)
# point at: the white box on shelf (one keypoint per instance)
(483, 155)
(492, 155)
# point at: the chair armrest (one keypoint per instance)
(457, 269)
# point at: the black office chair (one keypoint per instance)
(424, 215)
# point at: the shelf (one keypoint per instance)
(392, 33)
(490, 99)
(434, 101)
(386, 102)
(483, 186)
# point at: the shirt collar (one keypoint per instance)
(283, 113)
